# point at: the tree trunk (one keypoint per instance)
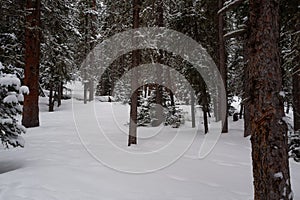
(132, 139)
(85, 86)
(268, 130)
(91, 90)
(159, 70)
(193, 108)
(32, 61)
(241, 111)
(205, 108)
(222, 65)
(59, 93)
(51, 101)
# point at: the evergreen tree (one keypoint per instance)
(11, 95)
(57, 48)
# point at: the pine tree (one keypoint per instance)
(12, 31)
(57, 48)
(11, 95)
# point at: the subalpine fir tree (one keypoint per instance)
(11, 94)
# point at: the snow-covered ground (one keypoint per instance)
(55, 165)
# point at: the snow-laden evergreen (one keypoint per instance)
(11, 94)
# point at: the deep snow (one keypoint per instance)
(55, 165)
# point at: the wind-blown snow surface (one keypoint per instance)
(54, 165)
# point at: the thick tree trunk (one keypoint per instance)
(222, 65)
(132, 139)
(32, 62)
(268, 130)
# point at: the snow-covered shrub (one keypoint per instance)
(11, 94)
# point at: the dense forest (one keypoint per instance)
(254, 45)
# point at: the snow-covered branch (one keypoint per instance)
(234, 33)
(230, 6)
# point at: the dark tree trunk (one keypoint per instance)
(268, 130)
(32, 62)
(205, 119)
(59, 93)
(132, 139)
(205, 108)
(159, 70)
(222, 65)
(241, 111)
(51, 99)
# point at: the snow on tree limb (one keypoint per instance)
(230, 6)
(234, 33)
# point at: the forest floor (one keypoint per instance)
(62, 160)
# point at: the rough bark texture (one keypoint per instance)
(32, 61)
(222, 63)
(132, 139)
(268, 131)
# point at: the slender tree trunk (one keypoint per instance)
(205, 108)
(159, 69)
(222, 64)
(92, 56)
(59, 93)
(51, 101)
(170, 90)
(132, 139)
(268, 130)
(32, 62)
(91, 90)
(241, 111)
(85, 87)
(193, 109)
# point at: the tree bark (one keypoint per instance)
(132, 139)
(32, 62)
(268, 130)
(222, 65)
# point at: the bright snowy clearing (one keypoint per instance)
(54, 165)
